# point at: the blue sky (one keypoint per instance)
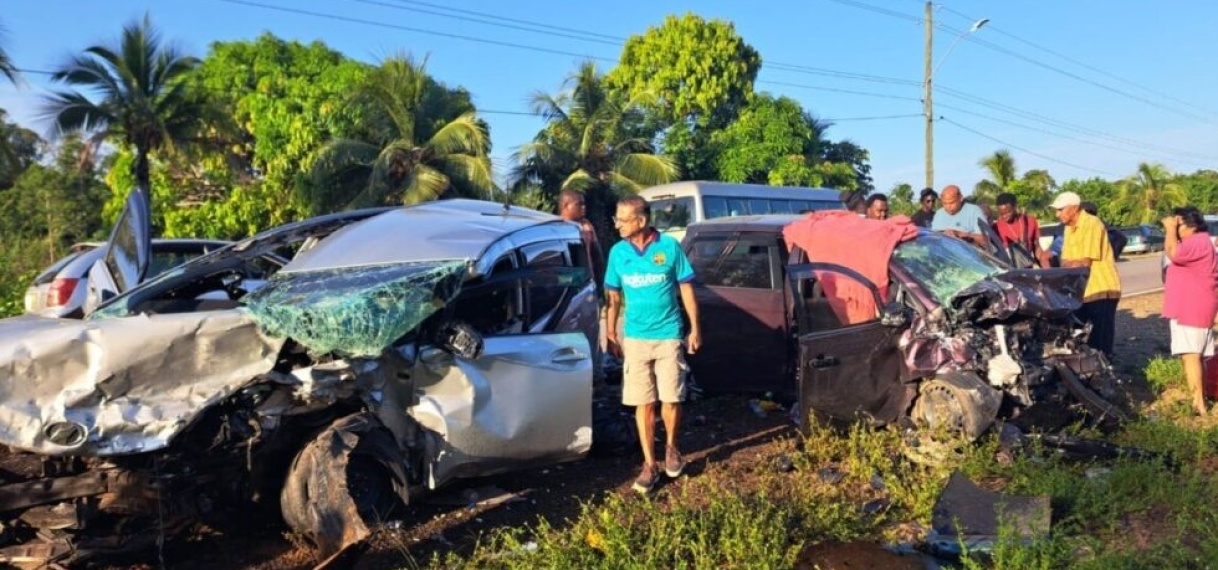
(1143, 92)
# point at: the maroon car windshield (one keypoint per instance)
(944, 266)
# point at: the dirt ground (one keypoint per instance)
(720, 431)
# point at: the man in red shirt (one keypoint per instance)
(1014, 227)
(1190, 294)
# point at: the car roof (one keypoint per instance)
(708, 188)
(431, 231)
(758, 223)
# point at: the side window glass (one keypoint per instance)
(714, 207)
(737, 207)
(759, 206)
(723, 262)
(493, 309)
(780, 207)
(544, 298)
(834, 300)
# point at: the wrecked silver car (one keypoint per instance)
(398, 350)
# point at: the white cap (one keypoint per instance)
(1065, 199)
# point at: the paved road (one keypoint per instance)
(1140, 273)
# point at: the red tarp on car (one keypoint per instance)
(843, 238)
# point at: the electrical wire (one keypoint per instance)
(1084, 65)
(349, 19)
(995, 47)
(1140, 153)
(1063, 124)
(1026, 151)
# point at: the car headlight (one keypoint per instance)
(67, 434)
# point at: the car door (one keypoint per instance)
(127, 253)
(850, 365)
(526, 400)
(743, 308)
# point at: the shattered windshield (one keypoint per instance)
(944, 266)
(356, 311)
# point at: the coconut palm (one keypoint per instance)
(588, 142)
(1001, 168)
(7, 68)
(1149, 192)
(141, 100)
(424, 141)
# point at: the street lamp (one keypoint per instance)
(927, 90)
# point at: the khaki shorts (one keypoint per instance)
(1191, 340)
(651, 370)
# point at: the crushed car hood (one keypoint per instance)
(1052, 294)
(121, 385)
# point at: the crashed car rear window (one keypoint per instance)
(357, 311)
(944, 266)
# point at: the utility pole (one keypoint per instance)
(927, 102)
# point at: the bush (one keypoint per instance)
(1162, 372)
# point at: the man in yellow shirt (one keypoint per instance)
(1085, 244)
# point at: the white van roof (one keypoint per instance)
(707, 188)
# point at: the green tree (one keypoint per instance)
(768, 131)
(1104, 194)
(425, 142)
(142, 101)
(1000, 167)
(858, 161)
(1150, 193)
(7, 68)
(57, 203)
(1201, 190)
(698, 75)
(901, 199)
(19, 148)
(282, 101)
(590, 144)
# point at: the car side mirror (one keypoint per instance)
(894, 315)
(460, 339)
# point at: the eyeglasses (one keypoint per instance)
(624, 221)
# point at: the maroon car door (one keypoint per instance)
(743, 306)
(849, 361)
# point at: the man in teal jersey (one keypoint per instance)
(645, 271)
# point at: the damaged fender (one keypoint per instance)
(346, 480)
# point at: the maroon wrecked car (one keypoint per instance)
(881, 321)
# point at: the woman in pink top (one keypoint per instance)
(1190, 294)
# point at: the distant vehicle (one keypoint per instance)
(1143, 238)
(1049, 233)
(1211, 227)
(62, 289)
(677, 205)
(1051, 241)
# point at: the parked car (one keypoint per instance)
(956, 339)
(1143, 238)
(61, 290)
(399, 349)
(674, 206)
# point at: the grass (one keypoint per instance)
(858, 485)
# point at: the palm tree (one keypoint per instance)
(1002, 171)
(1035, 189)
(7, 68)
(142, 100)
(1149, 192)
(589, 142)
(425, 142)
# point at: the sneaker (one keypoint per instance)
(647, 479)
(674, 464)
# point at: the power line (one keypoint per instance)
(836, 90)
(1024, 150)
(877, 118)
(1141, 153)
(415, 30)
(1063, 124)
(1000, 31)
(584, 35)
(879, 10)
(1075, 76)
(530, 27)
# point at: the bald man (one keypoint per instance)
(959, 219)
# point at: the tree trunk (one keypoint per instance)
(141, 170)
